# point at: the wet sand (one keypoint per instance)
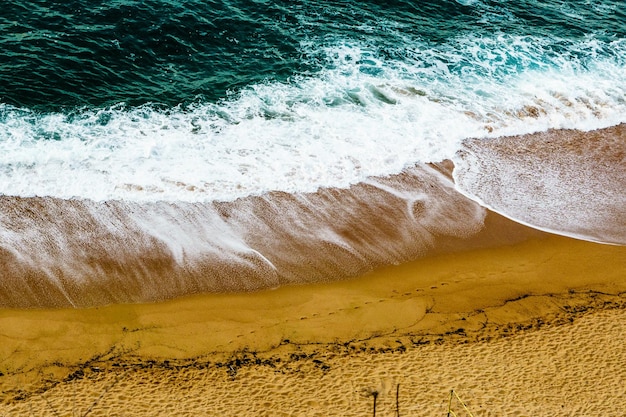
(570, 182)
(80, 253)
(532, 328)
(397, 289)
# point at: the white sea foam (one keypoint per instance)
(361, 116)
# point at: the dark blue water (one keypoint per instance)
(98, 53)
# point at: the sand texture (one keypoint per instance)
(569, 369)
(535, 328)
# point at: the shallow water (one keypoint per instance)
(80, 252)
(566, 182)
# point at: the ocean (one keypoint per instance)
(161, 148)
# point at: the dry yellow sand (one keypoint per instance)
(426, 326)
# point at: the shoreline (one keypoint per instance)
(472, 298)
(77, 253)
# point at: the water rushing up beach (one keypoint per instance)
(160, 149)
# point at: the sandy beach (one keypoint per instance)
(535, 328)
(311, 208)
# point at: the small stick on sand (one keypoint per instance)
(375, 395)
(398, 400)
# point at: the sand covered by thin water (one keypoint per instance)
(82, 253)
(429, 326)
(570, 182)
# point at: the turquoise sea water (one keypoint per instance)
(242, 97)
(97, 54)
